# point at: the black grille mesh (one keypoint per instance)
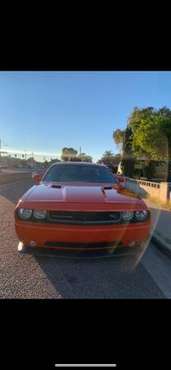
(67, 217)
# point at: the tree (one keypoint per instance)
(46, 163)
(151, 133)
(68, 154)
(110, 160)
(83, 157)
(123, 138)
(118, 136)
(148, 134)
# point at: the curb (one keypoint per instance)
(162, 245)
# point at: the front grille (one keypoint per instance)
(84, 218)
(83, 246)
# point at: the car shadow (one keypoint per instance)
(93, 276)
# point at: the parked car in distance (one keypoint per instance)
(80, 207)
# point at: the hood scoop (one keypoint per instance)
(106, 188)
(55, 186)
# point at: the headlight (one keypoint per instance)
(127, 216)
(141, 215)
(24, 213)
(39, 214)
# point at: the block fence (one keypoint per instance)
(160, 190)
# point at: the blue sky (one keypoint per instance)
(45, 111)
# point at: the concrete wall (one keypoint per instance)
(153, 189)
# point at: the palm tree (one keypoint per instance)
(118, 136)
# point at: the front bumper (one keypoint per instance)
(84, 237)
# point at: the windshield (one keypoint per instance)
(80, 173)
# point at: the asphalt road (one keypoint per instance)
(46, 275)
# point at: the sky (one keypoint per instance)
(42, 112)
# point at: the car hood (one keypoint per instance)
(90, 195)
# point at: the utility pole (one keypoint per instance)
(25, 154)
(4, 145)
(2, 152)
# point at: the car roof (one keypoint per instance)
(78, 163)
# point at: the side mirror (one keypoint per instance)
(36, 178)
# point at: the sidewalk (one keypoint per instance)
(161, 229)
(161, 219)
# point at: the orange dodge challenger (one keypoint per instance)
(80, 206)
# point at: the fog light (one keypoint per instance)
(20, 246)
(33, 243)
